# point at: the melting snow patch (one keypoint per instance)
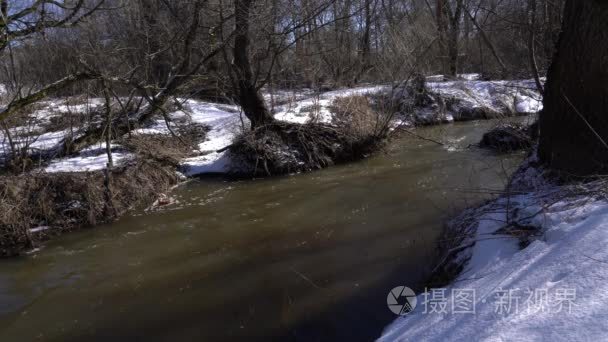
(316, 108)
(210, 163)
(86, 163)
(555, 289)
(226, 121)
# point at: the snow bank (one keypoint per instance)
(316, 107)
(93, 158)
(514, 96)
(468, 99)
(553, 290)
(86, 163)
(225, 121)
(442, 78)
(34, 135)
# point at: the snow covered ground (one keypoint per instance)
(226, 124)
(225, 121)
(316, 107)
(517, 96)
(555, 289)
(468, 99)
(93, 158)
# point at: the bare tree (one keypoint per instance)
(249, 96)
(19, 22)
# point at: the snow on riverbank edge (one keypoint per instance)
(554, 289)
(226, 121)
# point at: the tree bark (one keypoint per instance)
(36, 96)
(574, 122)
(366, 43)
(441, 28)
(3, 21)
(249, 97)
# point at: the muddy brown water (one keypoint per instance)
(306, 257)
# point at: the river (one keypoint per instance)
(306, 257)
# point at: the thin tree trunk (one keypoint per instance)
(441, 28)
(453, 53)
(454, 18)
(3, 22)
(574, 122)
(108, 133)
(366, 48)
(489, 44)
(531, 47)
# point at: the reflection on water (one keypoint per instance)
(304, 257)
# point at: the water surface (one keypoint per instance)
(307, 257)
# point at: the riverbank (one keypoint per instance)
(46, 129)
(464, 100)
(530, 265)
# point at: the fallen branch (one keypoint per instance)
(18, 104)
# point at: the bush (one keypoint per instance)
(69, 201)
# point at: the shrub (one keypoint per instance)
(67, 201)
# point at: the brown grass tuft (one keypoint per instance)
(69, 201)
(167, 149)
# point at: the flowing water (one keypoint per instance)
(307, 257)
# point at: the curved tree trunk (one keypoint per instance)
(574, 122)
(249, 97)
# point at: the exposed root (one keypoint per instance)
(282, 148)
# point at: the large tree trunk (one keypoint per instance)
(574, 122)
(249, 97)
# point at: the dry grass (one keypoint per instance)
(70, 201)
(357, 117)
(167, 149)
(66, 202)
